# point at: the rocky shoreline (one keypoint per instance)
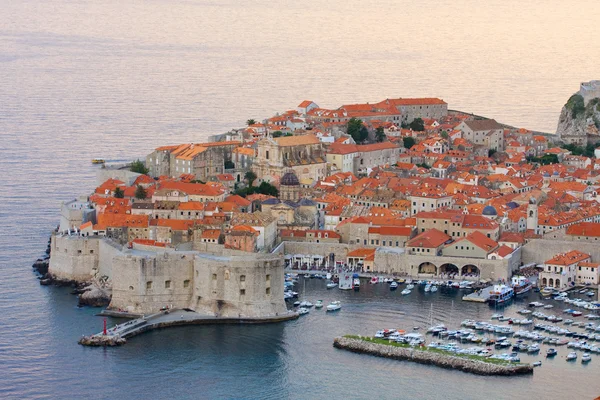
(430, 358)
(91, 293)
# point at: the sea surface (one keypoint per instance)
(114, 79)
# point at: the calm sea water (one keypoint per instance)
(113, 79)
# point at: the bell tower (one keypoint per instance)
(532, 215)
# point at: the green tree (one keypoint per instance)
(139, 167)
(354, 129)
(408, 142)
(576, 105)
(289, 134)
(140, 192)
(119, 194)
(380, 134)
(268, 189)
(491, 152)
(417, 125)
(250, 176)
(277, 134)
(250, 122)
(445, 135)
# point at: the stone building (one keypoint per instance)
(484, 132)
(305, 155)
(561, 270)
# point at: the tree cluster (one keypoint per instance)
(357, 130)
(139, 167)
(587, 151)
(263, 188)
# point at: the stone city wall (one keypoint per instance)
(73, 257)
(539, 250)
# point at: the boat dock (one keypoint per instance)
(117, 334)
(479, 296)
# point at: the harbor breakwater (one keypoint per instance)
(363, 346)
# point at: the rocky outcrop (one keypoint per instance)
(431, 358)
(578, 123)
(102, 341)
(94, 296)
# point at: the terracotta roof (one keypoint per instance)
(584, 229)
(211, 234)
(285, 141)
(483, 124)
(391, 230)
(360, 253)
(504, 250)
(589, 264)
(431, 238)
(480, 240)
(572, 257)
(174, 224)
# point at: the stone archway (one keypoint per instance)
(470, 270)
(557, 283)
(449, 269)
(544, 282)
(551, 282)
(427, 268)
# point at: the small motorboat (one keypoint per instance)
(410, 286)
(497, 316)
(537, 364)
(393, 285)
(303, 311)
(590, 294)
(98, 161)
(405, 292)
(356, 284)
(331, 285)
(434, 289)
(572, 356)
(533, 349)
(334, 306)
(585, 358)
(374, 280)
(577, 313)
(319, 304)
(428, 288)
(306, 304)
(548, 306)
(551, 352)
(296, 303)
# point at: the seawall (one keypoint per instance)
(430, 358)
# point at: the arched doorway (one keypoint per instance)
(448, 269)
(470, 270)
(557, 283)
(544, 282)
(550, 282)
(427, 268)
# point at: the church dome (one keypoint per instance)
(289, 179)
(489, 210)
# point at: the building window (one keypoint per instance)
(242, 278)
(242, 292)
(167, 284)
(268, 291)
(268, 278)
(149, 285)
(130, 287)
(267, 154)
(186, 283)
(214, 277)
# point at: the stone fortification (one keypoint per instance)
(223, 286)
(227, 283)
(539, 250)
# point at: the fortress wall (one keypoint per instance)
(250, 286)
(74, 257)
(146, 284)
(108, 250)
(540, 250)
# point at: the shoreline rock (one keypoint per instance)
(430, 358)
(102, 341)
(94, 296)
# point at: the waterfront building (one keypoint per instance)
(561, 270)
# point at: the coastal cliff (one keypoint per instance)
(579, 123)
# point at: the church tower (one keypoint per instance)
(532, 215)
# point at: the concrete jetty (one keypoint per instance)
(423, 356)
(118, 334)
(479, 296)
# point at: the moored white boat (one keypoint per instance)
(334, 306)
(393, 285)
(331, 285)
(572, 356)
(319, 304)
(303, 311)
(405, 292)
